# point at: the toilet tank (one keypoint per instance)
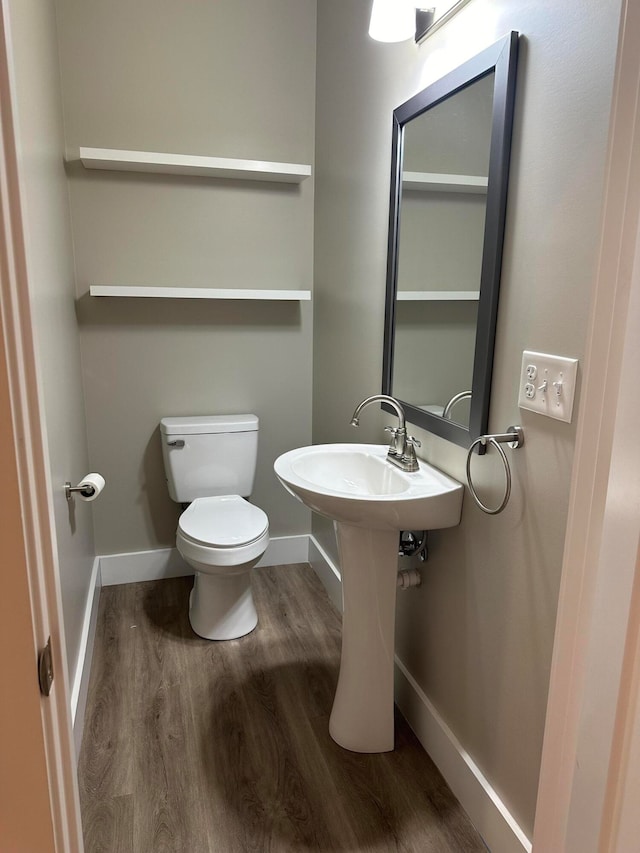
(205, 456)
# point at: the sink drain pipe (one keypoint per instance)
(408, 578)
(413, 543)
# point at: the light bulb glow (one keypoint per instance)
(392, 20)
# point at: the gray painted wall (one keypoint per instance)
(229, 79)
(478, 634)
(50, 267)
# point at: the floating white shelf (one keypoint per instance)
(199, 293)
(186, 164)
(433, 181)
(438, 295)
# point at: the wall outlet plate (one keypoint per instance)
(548, 384)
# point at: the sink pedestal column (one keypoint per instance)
(362, 714)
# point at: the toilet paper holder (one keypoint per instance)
(85, 490)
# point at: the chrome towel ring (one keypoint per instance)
(514, 437)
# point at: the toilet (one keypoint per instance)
(210, 463)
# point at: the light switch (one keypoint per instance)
(554, 388)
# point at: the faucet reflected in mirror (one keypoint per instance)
(402, 450)
(457, 398)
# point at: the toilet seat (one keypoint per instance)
(222, 531)
(225, 521)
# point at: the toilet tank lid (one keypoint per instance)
(204, 424)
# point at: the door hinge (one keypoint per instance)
(45, 669)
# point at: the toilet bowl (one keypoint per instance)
(222, 538)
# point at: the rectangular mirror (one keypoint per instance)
(450, 162)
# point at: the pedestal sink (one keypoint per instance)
(370, 502)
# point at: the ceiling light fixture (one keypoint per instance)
(399, 20)
(392, 20)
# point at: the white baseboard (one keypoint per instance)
(488, 813)
(161, 563)
(137, 566)
(327, 571)
(490, 816)
(80, 685)
(285, 551)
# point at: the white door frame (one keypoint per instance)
(35, 539)
(585, 778)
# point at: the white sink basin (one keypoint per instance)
(354, 484)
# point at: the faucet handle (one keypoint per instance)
(397, 446)
(409, 459)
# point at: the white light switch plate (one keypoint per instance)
(548, 384)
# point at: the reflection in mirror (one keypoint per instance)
(442, 214)
(448, 199)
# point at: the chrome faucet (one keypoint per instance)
(402, 450)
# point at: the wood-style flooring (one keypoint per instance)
(193, 746)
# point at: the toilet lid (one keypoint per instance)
(223, 522)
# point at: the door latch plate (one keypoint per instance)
(45, 669)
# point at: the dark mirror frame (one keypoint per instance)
(500, 58)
